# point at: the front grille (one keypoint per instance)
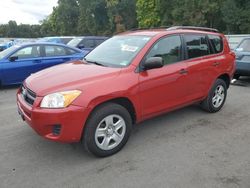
(28, 95)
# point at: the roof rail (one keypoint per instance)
(148, 28)
(193, 28)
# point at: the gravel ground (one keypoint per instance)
(187, 148)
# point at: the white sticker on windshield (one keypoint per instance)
(129, 48)
(124, 63)
(146, 38)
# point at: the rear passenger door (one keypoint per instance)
(200, 61)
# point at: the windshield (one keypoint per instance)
(7, 51)
(244, 46)
(74, 42)
(118, 51)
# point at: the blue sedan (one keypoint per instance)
(243, 58)
(18, 62)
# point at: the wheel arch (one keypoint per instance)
(123, 101)
(226, 78)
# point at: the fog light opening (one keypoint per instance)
(56, 129)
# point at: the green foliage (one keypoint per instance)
(12, 30)
(148, 13)
(107, 17)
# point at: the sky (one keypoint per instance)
(25, 11)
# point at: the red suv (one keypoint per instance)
(125, 80)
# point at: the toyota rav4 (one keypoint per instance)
(129, 78)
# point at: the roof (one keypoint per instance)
(172, 30)
(47, 43)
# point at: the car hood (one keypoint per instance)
(69, 76)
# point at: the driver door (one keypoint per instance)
(164, 88)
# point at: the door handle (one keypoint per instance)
(37, 61)
(216, 64)
(183, 71)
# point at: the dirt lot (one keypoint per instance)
(187, 148)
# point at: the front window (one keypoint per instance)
(118, 51)
(169, 49)
(8, 51)
(28, 52)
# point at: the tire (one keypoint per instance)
(236, 76)
(216, 97)
(103, 135)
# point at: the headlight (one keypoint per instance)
(60, 99)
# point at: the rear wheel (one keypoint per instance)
(216, 97)
(107, 130)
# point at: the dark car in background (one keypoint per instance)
(20, 61)
(243, 59)
(60, 40)
(234, 40)
(86, 43)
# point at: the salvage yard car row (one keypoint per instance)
(98, 95)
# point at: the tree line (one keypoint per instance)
(107, 17)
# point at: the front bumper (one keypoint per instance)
(71, 120)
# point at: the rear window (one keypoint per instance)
(196, 46)
(216, 42)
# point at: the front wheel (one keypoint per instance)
(216, 97)
(107, 130)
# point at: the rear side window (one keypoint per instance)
(51, 51)
(216, 42)
(196, 45)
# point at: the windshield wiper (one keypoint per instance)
(94, 62)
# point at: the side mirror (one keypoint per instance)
(13, 58)
(81, 46)
(153, 63)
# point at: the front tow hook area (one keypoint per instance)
(21, 114)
